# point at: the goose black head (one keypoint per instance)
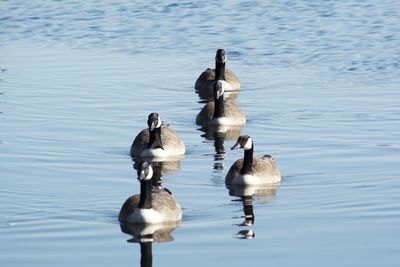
(154, 121)
(244, 142)
(220, 57)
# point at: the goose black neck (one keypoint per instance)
(247, 161)
(155, 138)
(219, 110)
(146, 255)
(219, 71)
(145, 194)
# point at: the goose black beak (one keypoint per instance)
(235, 146)
(152, 125)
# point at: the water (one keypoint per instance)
(319, 89)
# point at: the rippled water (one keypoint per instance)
(319, 89)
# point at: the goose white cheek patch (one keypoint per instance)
(248, 144)
(158, 122)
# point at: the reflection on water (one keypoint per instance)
(219, 134)
(207, 95)
(160, 168)
(150, 232)
(264, 195)
(246, 234)
(224, 132)
(249, 218)
(145, 235)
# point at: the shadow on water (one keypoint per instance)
(264, 194)
(146, 235)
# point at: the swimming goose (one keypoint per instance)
(252, 170)
(157, 141)
(209, 76)
(220, 112)
(153, 205)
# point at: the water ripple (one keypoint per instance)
(344, 37)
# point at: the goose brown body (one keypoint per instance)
(252, 170)
(207, 78)
(172, 144)
(163, 203)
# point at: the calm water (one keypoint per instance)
(320, 89)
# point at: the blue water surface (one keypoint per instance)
(320, 90)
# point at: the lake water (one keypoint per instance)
(320, 89)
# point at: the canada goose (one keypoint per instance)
(157, 141)
(209, 76)
(252, 170)
(153, 205)
(220, 112)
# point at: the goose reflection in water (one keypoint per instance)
(160, 168)
(220, 134)
(262, 194)
(206, 95)
(146, 235)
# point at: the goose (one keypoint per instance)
(209, 76)
(157, 141)
(252, 170)
(153, 205)
(220, 112)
